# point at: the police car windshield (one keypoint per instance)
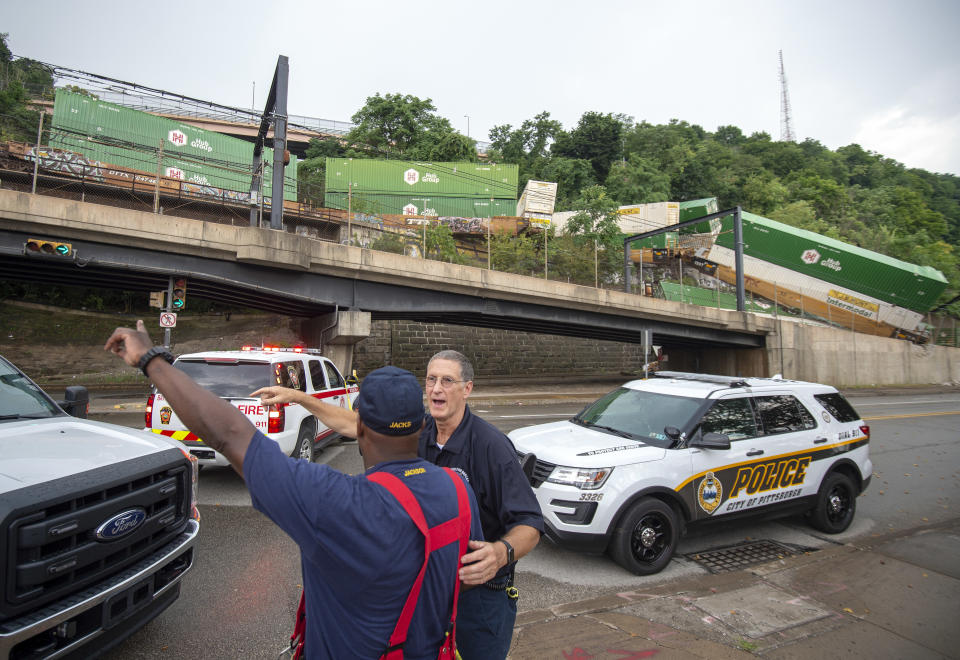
(231, 380)
(640, 415)
(20, 398)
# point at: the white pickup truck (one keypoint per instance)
(97, 524)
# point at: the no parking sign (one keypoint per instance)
(168, 320)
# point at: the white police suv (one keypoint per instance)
(234, 375)
(629, 472)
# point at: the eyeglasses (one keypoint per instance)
(445, 382)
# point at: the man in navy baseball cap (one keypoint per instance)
(391, 402)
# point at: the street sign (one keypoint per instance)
(168, 320)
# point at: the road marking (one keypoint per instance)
(928, 414)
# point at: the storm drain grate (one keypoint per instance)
(735, 557)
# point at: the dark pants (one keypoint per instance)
(485, 621)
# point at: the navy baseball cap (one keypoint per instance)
(391, 401)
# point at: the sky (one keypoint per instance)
(883, 74)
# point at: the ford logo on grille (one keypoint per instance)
(121, 524)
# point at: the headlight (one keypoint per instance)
(582, 478)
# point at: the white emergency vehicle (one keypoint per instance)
(235, 375)
(628, 473)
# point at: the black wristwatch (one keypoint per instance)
(510, 558)
(156, 351)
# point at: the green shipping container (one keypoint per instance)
(697, 208)
(127, 138)
(665, 240)
(403, 177)
(885, 278)
(411, 204)
(695, 295)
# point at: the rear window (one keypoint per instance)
(783, 414)
(231, 380)
(837, 406)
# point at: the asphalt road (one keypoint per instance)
(239, 599)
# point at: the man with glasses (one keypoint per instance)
(509, 513)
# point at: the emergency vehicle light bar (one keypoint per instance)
(278, 349)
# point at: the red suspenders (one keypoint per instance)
(455, 529)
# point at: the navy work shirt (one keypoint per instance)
(488, 460)
(360, 552)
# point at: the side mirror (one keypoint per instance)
(672, 432)
(711, 440)
(76, 401)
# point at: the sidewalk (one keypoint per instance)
(891, 597)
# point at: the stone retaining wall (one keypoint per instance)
(495, 353)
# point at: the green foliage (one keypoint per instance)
(598, 139)
(440, 244)
(21, 81)
(637, 181)
(521, 254)
(389, 242)
(405, 127)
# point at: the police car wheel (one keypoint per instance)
(304, 446)
(836, 504)
(646, 537)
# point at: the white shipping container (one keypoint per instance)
(639, 218)
(537, 197)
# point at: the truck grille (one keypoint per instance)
(540, 471)
(52, 548)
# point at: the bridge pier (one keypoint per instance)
(336, 334)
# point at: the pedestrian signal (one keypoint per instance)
(179, 300)
(55, 248)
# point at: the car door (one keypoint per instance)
(713, 471)
(783, 463)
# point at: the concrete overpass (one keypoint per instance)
(325, 281)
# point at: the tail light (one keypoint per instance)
(865, 430)
(148, 413)
(276, 417)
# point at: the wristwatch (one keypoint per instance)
(510, 558)
(156, 351)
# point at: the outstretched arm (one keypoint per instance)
(340, 420)
(221, 426)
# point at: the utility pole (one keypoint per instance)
(36, 154)
(786, 123)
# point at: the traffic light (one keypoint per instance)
(179, 293)
(156, 298)
(55, 248)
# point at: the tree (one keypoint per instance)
(23, 80)
(404, 126)
(598, 138)
(520, 254)
(638, 181)
(596, 223)
(440, 244)
(571, 176)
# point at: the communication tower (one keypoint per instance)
(786, 124)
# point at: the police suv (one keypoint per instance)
(629, 472)
(234, 375)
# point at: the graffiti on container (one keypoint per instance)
(67, 162)
(464, 225)
(367, 219)
(212, 191)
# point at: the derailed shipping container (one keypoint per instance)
(130, 139)
(419, 205)
(847, 280)
(416, 178)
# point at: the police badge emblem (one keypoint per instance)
(710, 493)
